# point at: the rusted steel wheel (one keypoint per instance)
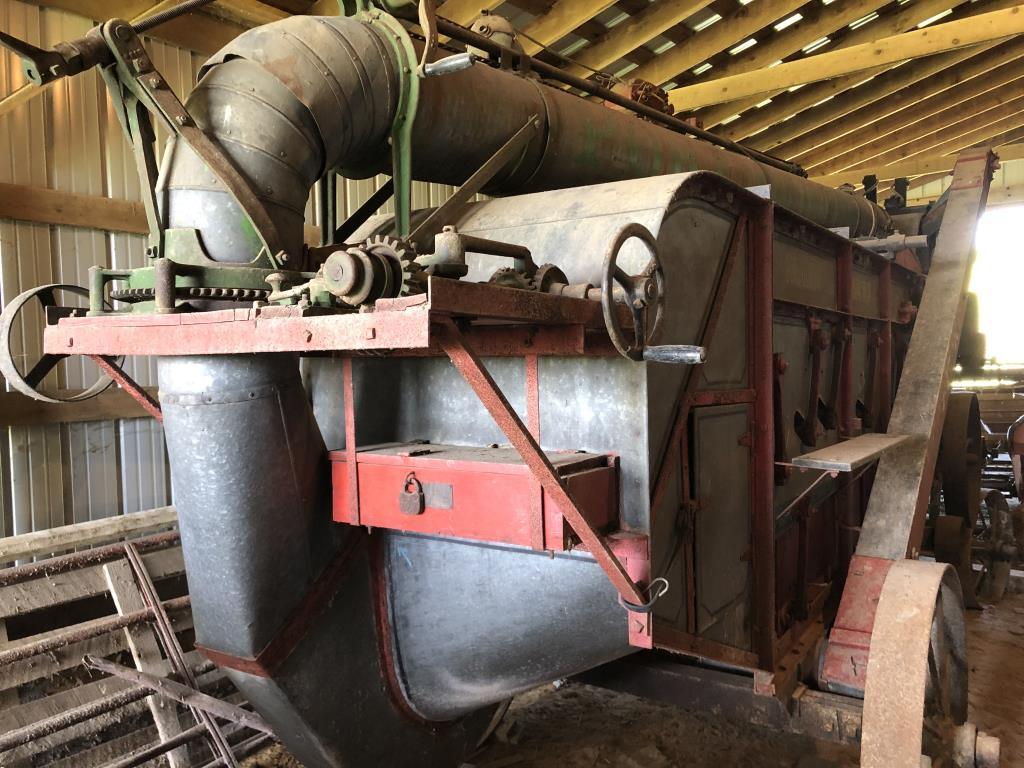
(960, 465)
(28, 383)
(915, 700)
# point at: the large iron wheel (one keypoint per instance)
(960, 464)
(915, 699)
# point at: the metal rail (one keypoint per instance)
(96, 629)
(59, 722)
(183, 694)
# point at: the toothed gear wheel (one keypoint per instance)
(509, 278)
(402, 257)
(546, 276)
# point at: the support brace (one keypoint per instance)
(473, 371)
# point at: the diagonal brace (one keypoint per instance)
(468, 364)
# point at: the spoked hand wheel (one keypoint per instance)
(915, 699)
(28, 383)
(644, 295)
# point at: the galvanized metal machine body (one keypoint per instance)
(543, 498)
(463, 624)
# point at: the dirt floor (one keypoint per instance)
(577, 726)
(995, 648)
(582, 727)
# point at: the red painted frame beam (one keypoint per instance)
(491, 397)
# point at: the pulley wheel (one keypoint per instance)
(28, 383)
(915, 698)
(960, 464)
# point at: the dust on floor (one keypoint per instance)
(578, 726)
(995, 651)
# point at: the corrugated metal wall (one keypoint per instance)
(69, 139)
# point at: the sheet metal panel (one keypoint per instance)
(33, 472)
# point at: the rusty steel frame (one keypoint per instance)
(62, 721)
(548, 325)
(555, 325)
(183, 694)
(110, 367)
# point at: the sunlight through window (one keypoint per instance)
(997, 278)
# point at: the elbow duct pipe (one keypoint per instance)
(293, 99)
(287, 102)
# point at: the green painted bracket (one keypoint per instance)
(408, 96)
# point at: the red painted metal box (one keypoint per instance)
(486, 494)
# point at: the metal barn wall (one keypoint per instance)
(68, 139)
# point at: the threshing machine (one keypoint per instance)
(659, 410)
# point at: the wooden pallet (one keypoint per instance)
(54, 601)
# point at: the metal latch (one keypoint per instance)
(410, 500)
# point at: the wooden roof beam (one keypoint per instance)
(952, 122)
(563, 18)
(741, 24)
(876, 134)
(919, 166)
(465, 11)
(888, 94)
(779, 45)
(955, 135)
(247, 13)
(194, 32)
(640, 28)
(902, 20)
(987, 27)
(793, 114)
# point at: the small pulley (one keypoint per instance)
(644, 294)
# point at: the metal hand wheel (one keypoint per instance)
(644, 294)
(28, 383)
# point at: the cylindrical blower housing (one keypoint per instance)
(291, 100)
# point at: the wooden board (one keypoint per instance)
(34, 595)
(847, 455)
(65, 537)
(18, 410)
(145, 651)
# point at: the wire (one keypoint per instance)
(566, 59)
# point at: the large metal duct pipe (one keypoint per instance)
(251, 485)
(290, 100)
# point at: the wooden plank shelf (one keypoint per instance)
(848, 455)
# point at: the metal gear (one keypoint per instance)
(402, 257)
(510, 278)
(546, 276)
(134, 295)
